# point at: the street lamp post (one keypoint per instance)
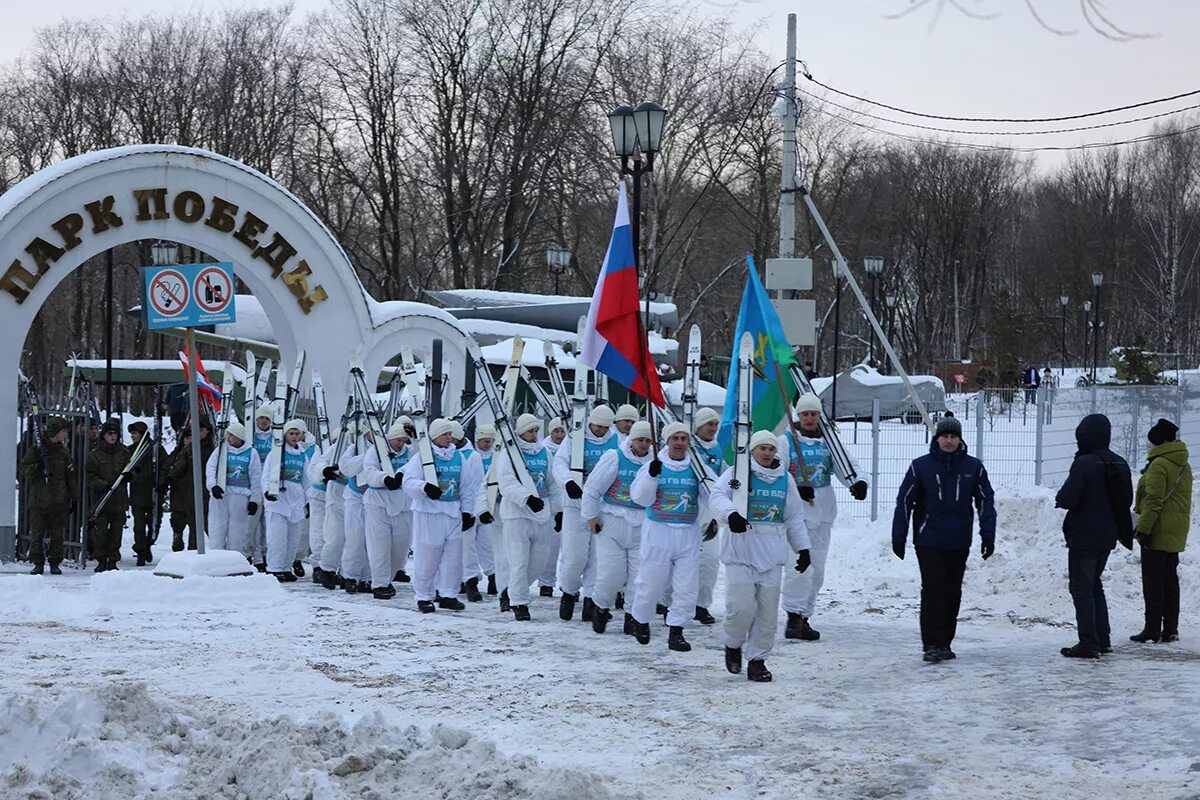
(557, 259)
(874, 267)
(890, 300)
(1097, 279)
(1063, 300)
(1087, 322)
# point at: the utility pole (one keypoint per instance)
(957, 329)
(787, 181)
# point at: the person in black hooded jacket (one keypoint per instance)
(1097, 492)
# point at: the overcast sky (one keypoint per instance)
(1008, 66)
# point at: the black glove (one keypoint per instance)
(432, 491)
(898, 548)
(710, 532)
(655, 468)
(306, 510)
(859, 490)
(252, 508)
(330, 473)
(535, 503)
(486, 518)
(803, 561)
(217, 492)
(558, 522)
(1143, 539)
(468, 521)
(807, 493)
(392, 481)
(986, 549)
(1126, 541)
(270, 497)
(573, 490)
(737, 523)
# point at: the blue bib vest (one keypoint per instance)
(237, 468)
(618, 490)
(767, 498)
(486, 459)
(713, 455)
(262, 444)
(538, 464)
(293, 466)
(398, 461)
(449, 473)
(818, 464)
(593, 451)
(678, 499)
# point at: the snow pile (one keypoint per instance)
(120, 742)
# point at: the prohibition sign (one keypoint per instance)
(169, 293)
(213, 290)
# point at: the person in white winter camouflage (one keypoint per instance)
(388, 511)
(813, 470)
(334, 529)
(753, 550)
(614, 521)
(356, 572)
(233, 510)
(285, 511)
(480, 557)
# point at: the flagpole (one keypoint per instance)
(197, 449)
(636, 225)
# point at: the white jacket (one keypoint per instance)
(765, 544)
(562, 461)
(378, 495)
(291, 502)
(513, 493)
(600, 479)
(254, 493)
(470, 484)
(824, 508)
(645, 487)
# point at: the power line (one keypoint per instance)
(808, 76)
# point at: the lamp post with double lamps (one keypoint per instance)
(1063, 300)
(874, 268)
(557, 259)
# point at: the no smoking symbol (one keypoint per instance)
(169, 293)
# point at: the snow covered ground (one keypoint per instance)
(127, 685)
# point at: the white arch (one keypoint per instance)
(55, 220)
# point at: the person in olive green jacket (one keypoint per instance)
(1164, 503)
(104, 465)
(179, 475)
(49, 500)
(141, 496)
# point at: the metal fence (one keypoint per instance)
(1025, 437)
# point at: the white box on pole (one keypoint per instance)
(785, 274)
(799, 318)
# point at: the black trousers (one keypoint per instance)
(1084, 571)
(107, 536)
(941, 593)
(1160, 588)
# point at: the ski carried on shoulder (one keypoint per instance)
(293, 387)
(559, 387)
(135, 458)
(548, 404)
(155, 466)
(275, 482)
(358, 384)
(842, 464)
(502, 411)
(248, 409)
(741, 426)
(415, 381)
(35, 424)
(691, 378)
(223, 424)
(322, 412)
(580, 406)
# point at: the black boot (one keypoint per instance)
(426, 606)
(141, 562)
(384, 592)
(1150, 633)
(757, 671)
(521, 613)
(317, 572)
(600, 618)
(364, 587)
(661, 610)
(329, 579)
(546, 591)
(798, 628)
(284, 577)
(630, 625)
(38, 569)
(472, 587)
(566, 606)
(401, 576)
(462, 587)
(112, 563)
(733, 659)
(676, 642)
(1079, 651)
(298, 569)
(177, 544)
(504, 606)
(641, 632)
(101, 566)
(703, 617)
(589, 607)
(261, 566)
(54, 570)
(932, 654)
(620, 603)
(1166, 637)
(491, 587)
(452, 603)
(350, 586)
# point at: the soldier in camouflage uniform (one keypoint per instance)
(104, 465)
(179, 475)
(49, 500)
(141, 496)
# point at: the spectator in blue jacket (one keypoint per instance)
(1097, 495)
(941, 492)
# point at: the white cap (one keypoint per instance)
(527, 422)
(703, 417)
(295, 425)
(439, 426)
(457, 431)
(640, 430)
(808, 402)
(763, 437)
(236, 429)
(602, 416)
(397, 431)
(672, 428)
(555, 424)
(485, 431)
(265, 412)
(626, 412)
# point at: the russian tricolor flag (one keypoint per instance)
(615, 341)
(204, 386)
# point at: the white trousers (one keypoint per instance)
(258, 536)
(437, 555)
(800, 588)
(283, 538)
(751, 610)
(709, 568)
(525, 543)
(577, 555)
(354, 551)
(229, 526)
(389, 538)
(548, 574)
(500, 551)
(670, 556)
(618, 551)
(335, 535)
(479, 559)
(316, 527)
